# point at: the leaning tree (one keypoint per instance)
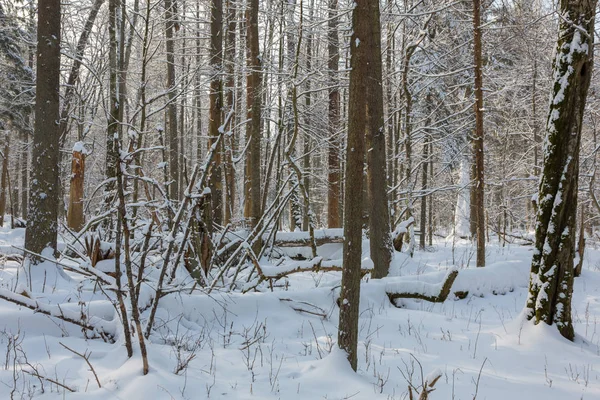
(551, 285)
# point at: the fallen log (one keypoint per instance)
(302, 239)
(435, 293)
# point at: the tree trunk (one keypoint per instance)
(216, 107)
(75, 217)
(430, 230)
(171, 129)
(551, 285)
(307, 215)
(333, 155)
(253, 102)
(4, 179)
(365, 27)
(115, 106)
(24, 173)
(423, 222)
(478, 139)
(379, 215)
(580, 244)
(230, 43)
(42, 224)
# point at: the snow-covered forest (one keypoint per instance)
(299, 199)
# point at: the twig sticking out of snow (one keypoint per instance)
(57, 383)
(86, 357)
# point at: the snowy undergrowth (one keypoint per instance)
(281, 344)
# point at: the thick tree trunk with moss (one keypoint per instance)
(551, 285)
(43, 200)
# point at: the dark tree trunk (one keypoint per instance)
(115, 106)
(171, 129)
(379, 215)
(4, 178)
(216, 107)
(253, 102)
(364, 117)
(230, 143)
(43, 200)
(333, 156)
(478, 139)
(551, 286)
(423, 222)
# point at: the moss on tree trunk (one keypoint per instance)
(552, 269)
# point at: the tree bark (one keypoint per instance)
(4, 178)
(333, 153)
(253, 102)
(478, 139)
(75, 217)
(115, 106)
(551, 285)
(171, 129)
(42, 223)
(379, 215)
(230, 143)
(216, 107)
(423, 221)
(364, 28)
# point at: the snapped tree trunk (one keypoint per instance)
(75, 217)
(551, 285)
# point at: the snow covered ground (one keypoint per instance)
(282, 344)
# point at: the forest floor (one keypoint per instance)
(282, 344)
